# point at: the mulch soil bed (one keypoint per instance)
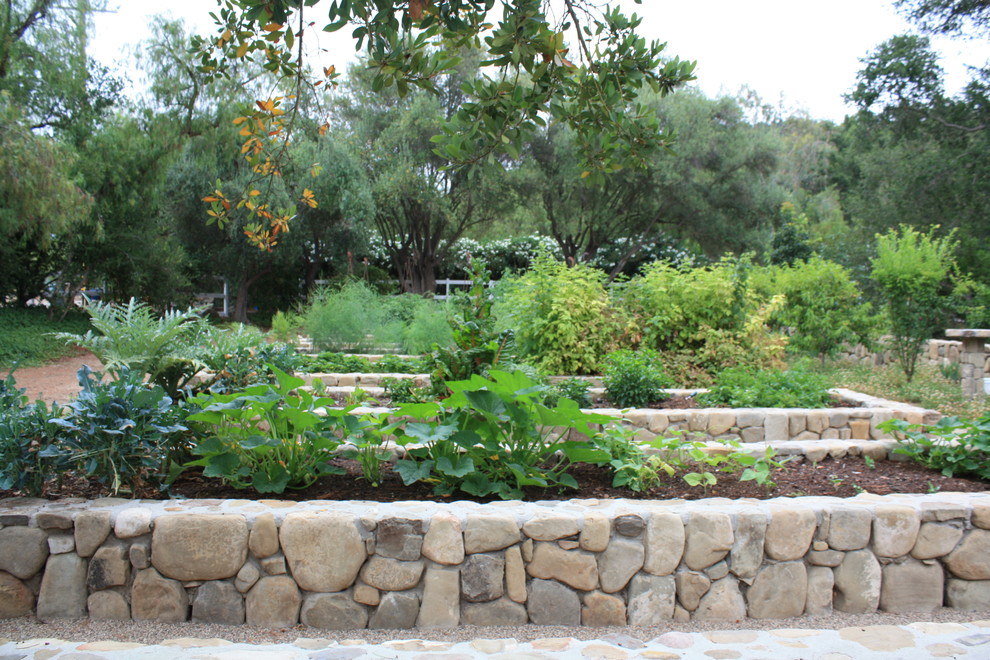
(840, 478)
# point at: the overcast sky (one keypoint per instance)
(798, 54)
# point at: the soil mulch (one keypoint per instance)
(839, 478)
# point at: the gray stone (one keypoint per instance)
(621, 560)
(895, 529)
(968, 595)
(651, 600)
(830, 558)
(780, 591)
(664, 543)
(550, 527)
(482, 577)
(61, 542)
(575, 568)
(502, 612)
(602, 610)
(776, 427)
(63, 588)
(23, 551)
(722, 602)
(391, 574)
(717, 571)
(273, 602)
(218, 602)
(515, 575)
(936, 540)
(273, 565)
(139, 554)
(333, 612)
(367, 595)
(748, 418)
(708, 539)
(135, 521)
(443, 542)
(15, 597)
(53, 520)
(199, 547)
(397, 610)
(325, 551)
(789, 533)
(14, 520)
(753, 434)
(820, 584)
(247, 576)
(796, 423)
(484, 533)
(849, 528)
(746, 555)
(595, 533)
(109, 567)
(552, 604)
(398, 538)
(91, 530)
(108, 605)
(441, 598)
(911, 586)
(691, 586)
(156, 598)
(857, 583)
(263, 541)
(971, 558)
(629, 525)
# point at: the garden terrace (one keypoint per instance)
(352, 565)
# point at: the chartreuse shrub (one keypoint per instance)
(915, 271)
(702, 320)
(953, 446)
(823, 307)
(495, 437)
(563, 318)
(741, 387)
(634, 379)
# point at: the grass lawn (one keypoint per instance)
(25, 338)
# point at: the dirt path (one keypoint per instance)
(55, 381)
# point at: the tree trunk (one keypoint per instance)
(242, 298)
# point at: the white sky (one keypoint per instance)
(795, 53)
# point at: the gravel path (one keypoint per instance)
(944, 633)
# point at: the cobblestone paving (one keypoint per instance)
(906, 642)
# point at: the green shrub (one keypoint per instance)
(575, 389)
(823, 307)
(562, 317)
(915, 273)
(124, 433)
(352, 318)
(343, 363)
(286, 326)
(427, 327)
(747, 388)
(634, 379)
(240, 356)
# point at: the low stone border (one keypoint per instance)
(351, 565)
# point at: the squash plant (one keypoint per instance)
(495, 436)
(268, 437)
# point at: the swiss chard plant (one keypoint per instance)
(495, 436)
(269, 437)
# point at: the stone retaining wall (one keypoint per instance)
(420, 564)
(938, 353)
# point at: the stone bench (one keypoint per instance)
(352, 565)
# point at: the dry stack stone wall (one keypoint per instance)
(426, 565)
